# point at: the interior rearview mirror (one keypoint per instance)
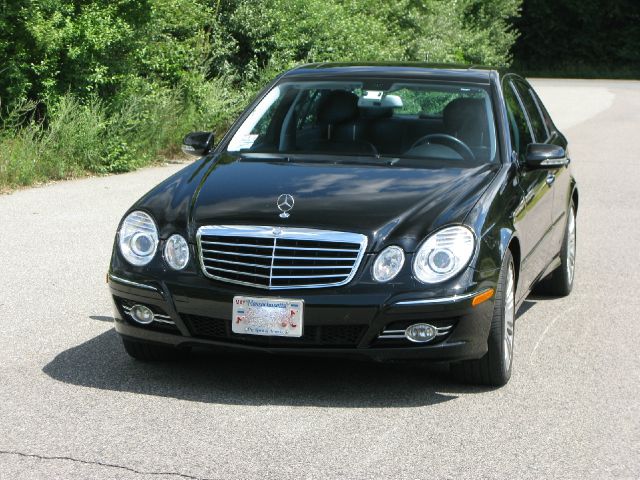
(544, 155)
(197, 143)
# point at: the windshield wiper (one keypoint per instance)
(326, 158)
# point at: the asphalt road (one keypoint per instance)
(73, 405)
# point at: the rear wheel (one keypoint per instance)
(494, 368)
(560, 282)
(149, 352)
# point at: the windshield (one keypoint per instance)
(450, 122)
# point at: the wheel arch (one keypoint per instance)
(509, 242)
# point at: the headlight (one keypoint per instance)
(138, 238)
(444, 254)
(388, 264)
(176, 252)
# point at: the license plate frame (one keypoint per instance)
(268, 316)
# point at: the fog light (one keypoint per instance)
(421, 332)
(141, 314)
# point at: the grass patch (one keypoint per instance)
(78, 138)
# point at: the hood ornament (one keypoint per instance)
(285, 204)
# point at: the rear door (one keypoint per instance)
(533, 216)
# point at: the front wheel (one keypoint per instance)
(494, 368)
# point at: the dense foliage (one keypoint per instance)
(104, 86)
(580, 37)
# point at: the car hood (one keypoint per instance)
(397, 204)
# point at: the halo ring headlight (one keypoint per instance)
(444, 254)
(138, 238)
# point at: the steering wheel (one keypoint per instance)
(448, 141)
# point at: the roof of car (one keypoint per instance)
(470, 73)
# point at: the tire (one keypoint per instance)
(150, 352)
(494, 368)
(560, 282)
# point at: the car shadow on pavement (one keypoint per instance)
(256, 379)
(527, 305)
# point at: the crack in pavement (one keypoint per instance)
(551, 324)
(108, 465)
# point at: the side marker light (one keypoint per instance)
(482, 297)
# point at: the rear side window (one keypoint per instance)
(533, 111)
(518, 124)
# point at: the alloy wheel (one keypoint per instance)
(509, 317)
(571, 246)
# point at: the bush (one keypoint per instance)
(68, 145)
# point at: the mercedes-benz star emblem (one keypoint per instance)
(285, 203)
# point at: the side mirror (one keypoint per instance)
(543, 155)
(197, 143)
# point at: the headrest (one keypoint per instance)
(462, 110)
(339, 106)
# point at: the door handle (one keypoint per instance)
(550, 179)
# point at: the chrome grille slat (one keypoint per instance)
(313, 267)
(318, 249)
(237, 263)
(280, 247)
(338, 275)
(235, 253)
(270, 247)
(238, 272)
(238, 254)
(329, 259)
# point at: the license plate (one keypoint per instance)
(274, 317)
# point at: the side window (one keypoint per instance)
(518, 124)
(543, 112)
(533, 111)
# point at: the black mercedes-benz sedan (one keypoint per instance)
(389, 211)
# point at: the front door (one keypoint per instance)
(545, 132)
(533, 215)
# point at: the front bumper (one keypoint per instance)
(336, 323)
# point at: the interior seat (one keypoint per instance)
(466, 119)
(338, 114)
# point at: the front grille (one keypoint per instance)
(279, 258)
(313, 335)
